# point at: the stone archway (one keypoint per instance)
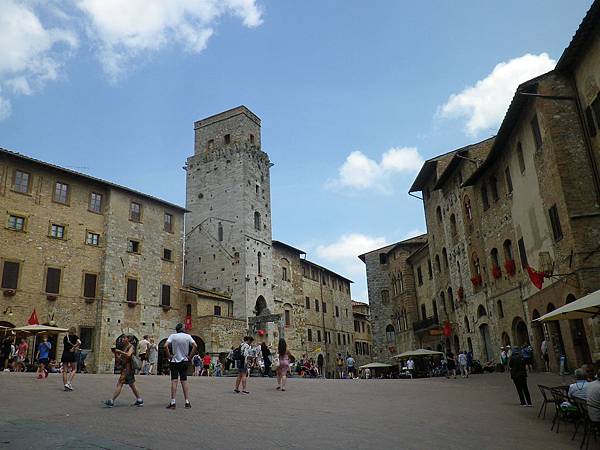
(555, 333)
(260, 307)
(579, 338)
(519, 332)
(486, 343)
(505, 339)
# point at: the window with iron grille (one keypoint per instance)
(167, 254)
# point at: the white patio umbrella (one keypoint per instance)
(375, 365)
(418, 352)
(584, 308)
(36, 329)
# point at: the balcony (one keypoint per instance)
(426, 324)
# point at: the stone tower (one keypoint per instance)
(228, 226)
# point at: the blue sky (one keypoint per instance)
(353, 95)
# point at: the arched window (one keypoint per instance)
(494, 256)
(445, 258)
(287, 314)
(188, 310)
(508, 250)
(499, 309)
(438, 266)
(390, 334)
(400, 282)
(385, 296)
(220, 232)
(484, 197)
(435, 311)
(468, 209)
(481, 311)
(467, 327)
(453, 225)
(451, 298)
(259, 261)
(476, 265)
(260, 306)
(394, 286)
(443, 299)
(438, 213)
(256, 220)
(285, 269)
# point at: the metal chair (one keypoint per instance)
(558, 398)
(589, 426)
(547, 398)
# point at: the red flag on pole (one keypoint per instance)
(537, 278)
(447, 329)
(33, 320)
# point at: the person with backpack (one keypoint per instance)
(127, 360)
(184, 347)
(240, 355)
(518, 373)
(197, 363)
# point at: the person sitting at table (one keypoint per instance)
(590, 374)
(579, 388)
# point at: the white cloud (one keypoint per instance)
(32, 53)
(360, 172)
(485, 103)
(341, 256)
(413, 233)
(124, 30)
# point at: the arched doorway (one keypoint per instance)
(162, 367)
(520, 333)
(580, 342)
(260, 308)
(486, 344)
(456, 345)
(470, 345)
(555, 334)
(320, 363)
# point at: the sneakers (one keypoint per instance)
(171, 406)
(138, 403)
(188, 405)
(237, 391)
(45, 374)
(68, 387)
(109, 403)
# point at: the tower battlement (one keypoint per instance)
(237, 125)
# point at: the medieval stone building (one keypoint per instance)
(523, 206)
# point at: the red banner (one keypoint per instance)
(188, 323)
(537, 278)
(33, 320)
(447, 329)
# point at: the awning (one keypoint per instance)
(375, 365)
(418, 352)
(34, 329)
(584, 308)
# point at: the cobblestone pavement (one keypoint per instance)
(481, 412)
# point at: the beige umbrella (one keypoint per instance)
(36, 329)
(375, 365)
(418, 352)
(584, 308)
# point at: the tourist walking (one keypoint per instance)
(42, 357)
(545, 358)
(71, 344)
(450, 365)
(266, 355)
(462, 364)
(143, 354)
(218, 368)
(124, 360)
(284, 364)
(197, 364)
(8, 346)
(180, 342)
(350, 364)
(339, 366)
(22, 350)
(206, 362)
(518, 373)
(152, 356)
(528, 356)
(410, 365)
(504, 358)
(240, 355)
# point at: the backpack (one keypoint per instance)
(236, 355)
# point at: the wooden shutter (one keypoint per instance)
(89, 285)
(53, 280)
(132, 285)
(166, 295)
(10, 275)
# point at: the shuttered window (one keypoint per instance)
(89, 285)
(132, 285)
(53, 280)
(10, 275)
(165, 297)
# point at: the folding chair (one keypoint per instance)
(547, 398)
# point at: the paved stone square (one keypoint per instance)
(481, 412)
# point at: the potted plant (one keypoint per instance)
(509, 265)
(496, 272)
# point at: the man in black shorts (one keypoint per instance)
(179, 356)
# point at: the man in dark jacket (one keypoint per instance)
(518, 373)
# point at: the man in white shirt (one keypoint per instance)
(182, 348)
(143, 354)
(593, 400)
(350, 365)
(544, 349)
(410, 365)
(462, 364)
